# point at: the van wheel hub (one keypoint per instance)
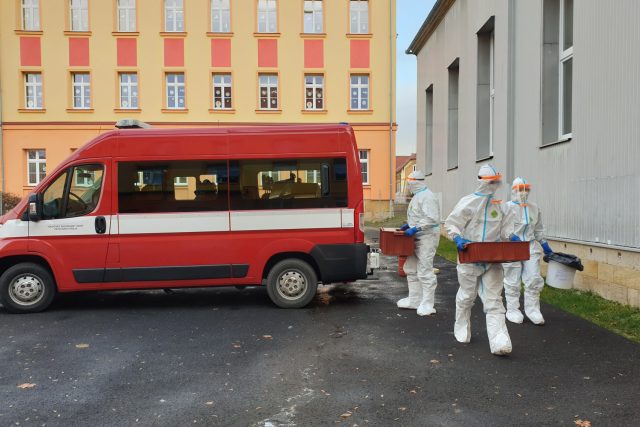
(291, 285)
(26, 289)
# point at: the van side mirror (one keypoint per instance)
(35, 208)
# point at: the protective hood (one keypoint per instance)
(520, 190)
(416, 182)
(489, 180)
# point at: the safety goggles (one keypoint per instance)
(522, 188)
(491, 178)
(414, 179)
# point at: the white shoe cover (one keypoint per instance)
(462, 327)
(515, 316)
(499, 340)
(535, 316)
(408, 302)
(415, 296)
(426, 309)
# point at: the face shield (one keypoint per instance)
(521, 192)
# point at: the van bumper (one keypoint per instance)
(341, 263)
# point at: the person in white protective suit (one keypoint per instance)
(529, 228)
(423, 222)
(478, 217)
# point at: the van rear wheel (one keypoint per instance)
(292, 283)
(26, 288)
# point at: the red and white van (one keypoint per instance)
(165, 208)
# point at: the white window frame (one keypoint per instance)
(176, 85)
(317, 83)
(174, 9)
(313, 175)
(492, 88)
(268, 12)
(83, 95)
(223, 9)
(37, 161)
(125, 82)
(222, 85)
(358, 88)
(180, 181)
(314, 9)
(364, 165)
(30, 15)
(36, 88)
(126, 16)
(79, 15)
(269, 86)
(356, 13)
(565, 55)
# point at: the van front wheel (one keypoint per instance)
(26, 288)
(292, 283)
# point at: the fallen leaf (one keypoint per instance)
(402, 408)
(237, 346)
(209, 403)
(26, 385)
(82, 345)
(435, 361)
(345, 415)
(267, 337)
(582, 423)
(413, 392)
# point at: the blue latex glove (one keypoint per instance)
(515, 238)
(404, 227)
(546, 248)
(411, 231)
(460, 242)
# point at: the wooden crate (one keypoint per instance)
(494, 252)
(396, 243)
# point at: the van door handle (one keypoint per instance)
(101, 225)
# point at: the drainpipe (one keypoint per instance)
(392, 41)
(511, 92)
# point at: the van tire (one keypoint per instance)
(26, 288)
(292, 283)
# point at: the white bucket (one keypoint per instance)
(560, 276)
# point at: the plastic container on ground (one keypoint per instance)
(562, 269)
(394, 243)
(494, 252)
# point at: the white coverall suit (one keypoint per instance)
(479, 218)
(423, 212)
(529, 228)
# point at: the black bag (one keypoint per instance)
(565, 259)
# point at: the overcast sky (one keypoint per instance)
(411, 14)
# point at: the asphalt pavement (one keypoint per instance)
(229, 357)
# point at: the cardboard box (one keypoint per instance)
(494, 252)
(393, 242)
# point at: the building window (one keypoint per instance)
(452, 134)
(314, 92)
(222, 87)
(566, 67)
(36, 166)
(359, 92)
(267, 16)
(174, 16)
(485, 93)
(428, 168)
(220, 16)
(359, 16)
(268, 91)
(175, 91)
(127, 16)
(129, 91)
(557, 71)
(81, 90)
(30, 15)
(33, 91)
(364, 166)
(79, 15)
(313, 16)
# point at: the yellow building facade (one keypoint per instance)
(69, 69)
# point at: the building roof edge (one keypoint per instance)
(429, 25)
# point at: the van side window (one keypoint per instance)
(74, 193)
(288, 184)
(172, 186)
